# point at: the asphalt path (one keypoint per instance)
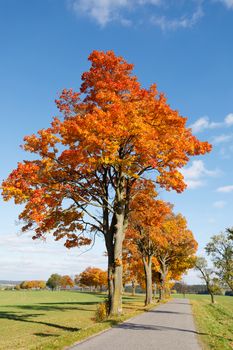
(166, 327)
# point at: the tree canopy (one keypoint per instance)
(85, 165)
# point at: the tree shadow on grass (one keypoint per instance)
(39, 307)
(60, 306)
(25, 318)
(96, 294)
(71, 303)
(45, 335)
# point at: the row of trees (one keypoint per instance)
(87, 167)
(220, 250)
(32, 285)
(158, 243)
(57, 281)
(92, 277)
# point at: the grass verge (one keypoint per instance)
(214, 322)
(44, 320)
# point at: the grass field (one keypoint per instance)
(214, 322)
(47, 320)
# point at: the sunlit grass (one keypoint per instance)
(51, 320)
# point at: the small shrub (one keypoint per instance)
(101, 311)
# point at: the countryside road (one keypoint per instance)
(167, 327)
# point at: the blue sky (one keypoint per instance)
(184, 46)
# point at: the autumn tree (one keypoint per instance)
(133, 272)
(85, 164)
(175, 249)
(66, 281)
(34, 284)
(54, 281)
(146, 215)
(220, 249)
(92, 277)
(208, 276)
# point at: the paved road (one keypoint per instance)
(167, 327)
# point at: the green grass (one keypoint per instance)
(34, 320)
(214, 322)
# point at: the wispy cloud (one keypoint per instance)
(102, 11)
(225, 189)
(222, 138)
(227, 3)
(226, 152)
(23, 258)
(228, 121)
(204, 123)
(219, 204)
(196, 174)
(106, 11)
(185, 21)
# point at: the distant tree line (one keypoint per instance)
(92, 278)
(183, 288)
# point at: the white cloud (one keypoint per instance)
(195, 174)
(106, 11)
(219, 204)
(203, 123)
(227, 3)
(222, 138)
(185, 21)
(229, 119)
(193, 184)
(226, 152)
(22, 258)
(102, 11)
(225, 189)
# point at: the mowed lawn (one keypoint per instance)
(52, 320)
(214, 322)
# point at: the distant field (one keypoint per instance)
(47, 320)
(214, 322)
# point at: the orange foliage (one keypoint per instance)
(157, 236)
(92, 277)
(33, 285)
(66, 281)
(112, 132)
(176, 246)
(146, 216)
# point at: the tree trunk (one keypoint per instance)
(154, 290)
(162, 293)
(114, 286)
(212, 298)
(114, 237)
(160, 296)
(209, 289)
(163, 274)
(148, 278)
(115, 269)
(133, 288)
